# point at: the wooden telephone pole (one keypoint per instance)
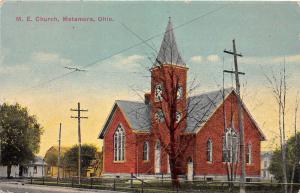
(0, 145)
(59, 150)
(240, 114)
(78, 117)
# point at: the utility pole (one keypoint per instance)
(59, 150)
(78, 117)
(240, 113)
(0, 145)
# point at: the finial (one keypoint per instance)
(169, 18)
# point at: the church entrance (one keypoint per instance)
(190, 170)
(168, 162)
(157, 161)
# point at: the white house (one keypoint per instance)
(14, 171)
(266, 157)
(35, 168)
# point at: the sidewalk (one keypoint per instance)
(17, 187)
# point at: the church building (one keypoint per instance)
(173, 128)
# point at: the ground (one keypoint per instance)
(23, 186)
(19, 187)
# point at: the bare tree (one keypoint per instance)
(278, 85)
(296, 158)
(170, 127)
(171, 109)
(230, 147)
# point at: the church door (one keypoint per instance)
(157, 158)
(190, 170)
(168, 162)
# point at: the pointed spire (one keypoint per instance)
(168, 53)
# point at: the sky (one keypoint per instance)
(34, 55)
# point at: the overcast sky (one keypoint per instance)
(33, 56)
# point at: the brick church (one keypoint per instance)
(198, 134)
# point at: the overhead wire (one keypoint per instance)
(124, 49)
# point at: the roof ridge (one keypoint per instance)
(120, 100)
(209, 92)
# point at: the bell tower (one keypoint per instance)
(168, 83)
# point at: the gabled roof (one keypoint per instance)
(200, 109)
(54, 149)
(136, 113)
(266, 153)
(63, 149)
(168, 53)
(38, 161)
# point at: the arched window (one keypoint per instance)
(249, 153)
(209, 151)
(230, 146)
(146, 151)
(158, 92)
(159, 116)
(157, 147)
(178, 117)
(119, 144)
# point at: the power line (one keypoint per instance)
(139, 37)
(47, 81)
(126, 49)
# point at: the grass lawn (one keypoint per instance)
(158, 186)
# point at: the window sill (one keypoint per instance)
(146, 161)
(229, 162)
(119, 161)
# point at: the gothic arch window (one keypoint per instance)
(178, 117)
(209, 150)
(146, 151)
(157, 147)
(179, 92)
(230, 146)
(119, 144)
(249, 153)
(158, 92)
(159, 116)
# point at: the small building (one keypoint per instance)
(14, 171)
(51, 159)
(35, 168)
(51, 169)
(266, 157)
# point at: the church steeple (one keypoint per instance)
(168, 53)
(168, 85)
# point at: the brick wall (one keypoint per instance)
(197, 151)
(214, 129)
(128, 165)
